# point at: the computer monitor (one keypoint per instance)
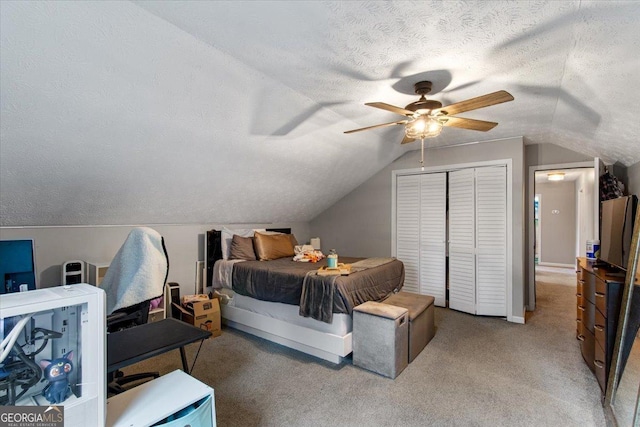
(17, 266)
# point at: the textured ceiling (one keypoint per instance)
(227, 112)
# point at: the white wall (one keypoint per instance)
(185, 246)
(584, 211)
(633, 176)
(360, 223)
(557, 222)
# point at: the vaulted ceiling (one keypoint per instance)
(152, 112)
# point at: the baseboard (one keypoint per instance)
(516, 319)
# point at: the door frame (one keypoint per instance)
(531, 275)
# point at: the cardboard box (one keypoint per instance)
(204, 315)
(186, 299)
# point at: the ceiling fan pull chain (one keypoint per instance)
(422, 153)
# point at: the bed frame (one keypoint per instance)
(330, 347)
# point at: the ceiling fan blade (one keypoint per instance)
(470, 124)
(480, 102)
(390, 107)
(401, 122)
(407, 140)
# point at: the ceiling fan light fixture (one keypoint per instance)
(423, 127)
(555, 176)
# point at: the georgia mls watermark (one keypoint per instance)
(32, 416)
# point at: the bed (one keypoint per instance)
(287, 303)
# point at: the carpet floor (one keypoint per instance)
(477, 371)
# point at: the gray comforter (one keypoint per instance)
(283, 280)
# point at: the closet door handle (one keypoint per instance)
(600, 295)
(598, 327)
(580, 337)
(581, 308)
(578, 295)
(598, 363)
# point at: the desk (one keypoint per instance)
(133, 345)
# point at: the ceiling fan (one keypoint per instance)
(426, 117)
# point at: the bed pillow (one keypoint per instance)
(273, 246)
(242, 248)
(226, 235)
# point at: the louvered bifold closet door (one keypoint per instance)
(408, 229)
(433, 235)
(491, 241)
(462, 288)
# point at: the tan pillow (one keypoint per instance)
(242, 248)
(273, 246)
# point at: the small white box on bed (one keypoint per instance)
(381, 338)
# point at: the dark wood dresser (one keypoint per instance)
(599, 297)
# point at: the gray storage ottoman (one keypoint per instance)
(421, 324)
(380, 338)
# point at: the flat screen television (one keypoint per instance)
(17, 266)
(617, 230)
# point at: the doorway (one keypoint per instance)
(563, 201)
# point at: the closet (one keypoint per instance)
(459, 216)
(421, 208)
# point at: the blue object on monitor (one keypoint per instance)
(17, 265)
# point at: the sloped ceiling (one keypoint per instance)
(230, 112)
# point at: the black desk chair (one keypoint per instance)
(123, 319)
(136, 276)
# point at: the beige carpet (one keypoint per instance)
(556, 276)
(477, 371)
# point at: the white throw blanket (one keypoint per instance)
(223, 273)
(137, 272)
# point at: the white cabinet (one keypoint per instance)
(156, 314)
(96, 272)
(176, 395)
(408, 229)
(462, 265)
(476, 233)
(73, 319)
(477, 241)
(421, 202)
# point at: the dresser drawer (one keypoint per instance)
(600, 329)
(578, 328)
(587, 347)
(580, 299)
(580, 310)
(580, 287)
(588, 316)
(580, 313)
(589, 287)
(601, 302)
(600, 367)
